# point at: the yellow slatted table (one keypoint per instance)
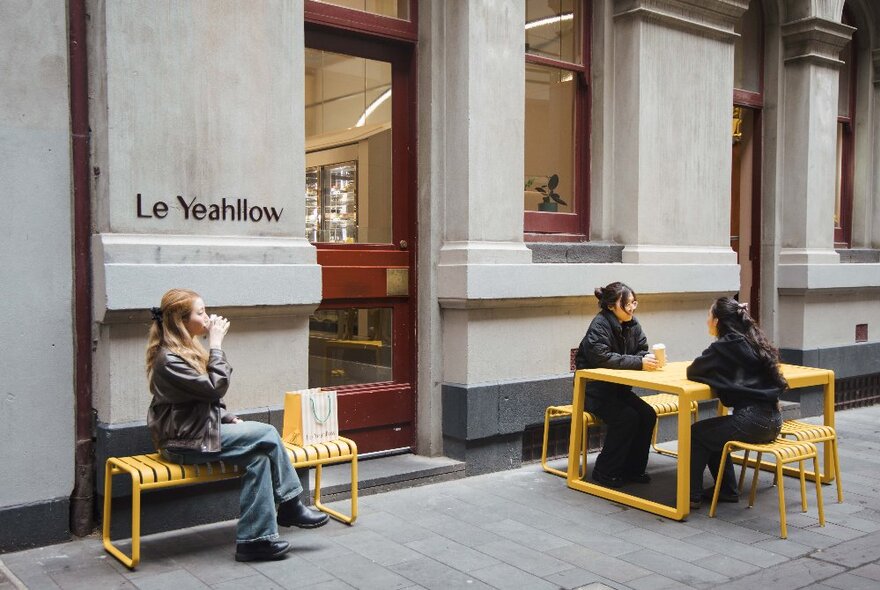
(152, 472)
(673, 379)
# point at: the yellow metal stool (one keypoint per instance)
(784, 452)
(815, 433)
(559, 412)
(666, 404)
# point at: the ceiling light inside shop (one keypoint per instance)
(549, 20)
(373, 106)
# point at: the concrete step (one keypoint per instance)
(381, 474)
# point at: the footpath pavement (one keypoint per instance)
(521, 529)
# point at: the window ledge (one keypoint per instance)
(583, 252)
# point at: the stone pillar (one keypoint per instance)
(198, 162)
(873, 198)
(810, 88)
(673, 87)
(483, 132)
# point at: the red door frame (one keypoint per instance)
(379, 416)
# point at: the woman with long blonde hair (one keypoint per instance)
(189, 424)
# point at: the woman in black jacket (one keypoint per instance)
(189, 424)
(742, 368)
(615, 340)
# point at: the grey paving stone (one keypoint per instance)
(90, 577)
(852, 553)
(658, 524)
(253, 582)
(524, 558)
(741, 551)
(605, 566)
(458, 531)
(376, 548)
(683, 571)
(517, 531)
(848, 581)
(179, 579)
(329, 585)
(507, 577)
(787, 576)
(573, 578)
(870, 571)
(292, 572)
(391, 526)
(453, 554)
(436, 576)
(360, 572)
(667, 545)
(787, 547)
(728, 566)
(657, 582)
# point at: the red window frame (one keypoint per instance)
(349, 19)
(570, 227)
(843, 227)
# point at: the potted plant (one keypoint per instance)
(552, 200)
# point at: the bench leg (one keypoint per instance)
(544, 465)
(819, 502)
(781, 487)
(354, 495)
(129, 562)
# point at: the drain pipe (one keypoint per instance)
(82, 498)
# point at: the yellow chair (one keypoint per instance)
(815, 433)
(664, 404)
(784, 452)
(152, 472)
(559, 412)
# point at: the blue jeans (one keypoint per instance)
(754, 424)
(269, 476)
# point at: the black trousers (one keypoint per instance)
(754, 424)
(630, 423)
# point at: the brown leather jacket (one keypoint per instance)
(187, 410)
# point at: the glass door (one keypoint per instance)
(359, 160)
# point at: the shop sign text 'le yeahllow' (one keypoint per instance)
(236, 209)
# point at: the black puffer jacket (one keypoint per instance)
(187, 410)
(736, 374)
(610, 344)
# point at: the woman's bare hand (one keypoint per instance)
(217, 330)
(649, 363)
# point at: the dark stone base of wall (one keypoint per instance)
(34, 525)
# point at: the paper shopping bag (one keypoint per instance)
(311, 416)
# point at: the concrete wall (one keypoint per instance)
(36, 382)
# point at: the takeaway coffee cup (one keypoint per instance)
(659, 351)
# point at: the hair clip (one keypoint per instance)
(156, 313)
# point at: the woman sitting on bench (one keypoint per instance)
(189, 424)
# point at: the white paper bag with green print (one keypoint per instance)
(311, 416)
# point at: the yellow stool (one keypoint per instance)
(815, 433)
(560, 412)
(784, 452)
(666, 404)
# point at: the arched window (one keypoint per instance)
(556, 183)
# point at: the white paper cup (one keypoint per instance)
(659, 351)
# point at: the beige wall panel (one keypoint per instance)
(825, 320)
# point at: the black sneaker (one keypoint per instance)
(608, 481)
(722, 497)
(261, 550)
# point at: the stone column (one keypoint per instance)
(483, 132)
(873, 198)
(809, 169)
(673, 87)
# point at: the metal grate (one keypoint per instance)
(857, 392)
(557, 442)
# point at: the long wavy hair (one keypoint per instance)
(733, 317)
(168, 330)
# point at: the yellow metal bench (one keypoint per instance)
(152, 472)
(664, 404)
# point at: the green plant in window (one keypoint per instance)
(552, 200)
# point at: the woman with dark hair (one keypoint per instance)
(615, 340)
(742, 368)
(189, 424)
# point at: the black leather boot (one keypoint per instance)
(261, 550)
(295, 513)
